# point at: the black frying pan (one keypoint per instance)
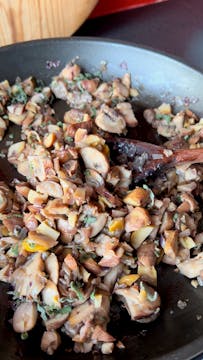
(176, 334)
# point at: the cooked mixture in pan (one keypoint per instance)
(89, 223)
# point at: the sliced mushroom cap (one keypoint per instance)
(95, 159)
(140, 303)
(25, 317)
(50, 342)
(109, 120)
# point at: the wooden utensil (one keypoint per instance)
(145, 158)
(36, 19)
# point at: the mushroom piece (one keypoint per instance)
(95, 159)
(50, 342)
(25, 317)
(98, 224)
(29, 279)
(51, 188)
(192, 267)
(56, 322)
(2, 128)
(52, 267)
(93, 178)
(126, 110)
(50, 295)
(3, 201)
(136, 219)
(140, 303)
(110, 120)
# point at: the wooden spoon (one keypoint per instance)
(145, 158)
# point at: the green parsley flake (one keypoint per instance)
(14, 250)
(11, 136)
(42, 312)
(175, 217)
(68, 139)
(93, 112)
(165, 117)
(60, 124)
(19, 95)
(75, 287)
(24, 336)
(88, 220)
(186, 137)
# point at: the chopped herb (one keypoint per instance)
(186, 137)
(151, 194)
(14, 215)
(14, 250)
(88, 220)
(92, 295)
(175, 217)
(66, 299)
(24, 336)
(19, 95)
(80, 87)
(38, 89)
(60, 124)
(68, 139)
(31, 245)
(75, 287)
(83, 76)
(2, 155)
(5, 117)
(87, 173)
(64, 310)
(93, 112)
(11, 136)
(165, 117)
(42, 312)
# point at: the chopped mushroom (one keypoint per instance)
(126, 110)
(109, 120)
(25, 317)
(140, 303)
(192, 267)
(52, 267)
(95, 159)
(50, 342)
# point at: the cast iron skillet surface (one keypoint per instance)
(176, 334)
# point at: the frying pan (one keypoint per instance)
(176, 334)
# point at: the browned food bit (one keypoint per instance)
(136, 219)
(109, 120)
(126, 110)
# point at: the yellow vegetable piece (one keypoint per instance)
(128, 279)
(116, 224)
(32, 247)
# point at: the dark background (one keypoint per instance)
(174, 26)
